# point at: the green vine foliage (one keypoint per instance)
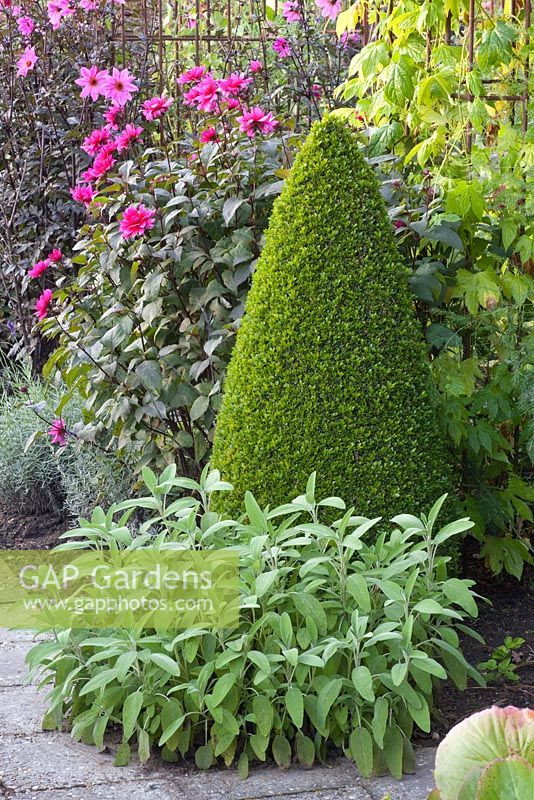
(457, 165)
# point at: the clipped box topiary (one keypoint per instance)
(329, 371)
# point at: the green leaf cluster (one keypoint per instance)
(340, 641)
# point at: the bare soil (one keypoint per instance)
(508, 612)
(20, 531)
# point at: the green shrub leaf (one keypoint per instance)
(295, 705)
(122, 756)
(361, 750)
(130, 713)
(281, 751)
(363, 681)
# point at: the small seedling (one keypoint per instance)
(503, 662)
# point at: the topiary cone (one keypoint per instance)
(329, 370)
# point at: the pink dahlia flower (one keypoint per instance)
(92, 81)
(207, 94)
(255, 66)
(55, 256)
(282, 47)
(191, 96)
(102, 164)
(41, 306)
(257, 121)
(209, 135)
(57, 11)
(291, 11)
(130, 134)
(83, 194)
(39, 268)
(111, 116)
(26, 62)
(193, 75)
(58, 432)
(329, 8)
(26, 25)
(119, 86)
(93, 143)
(156, 107)
(234, 84)
(136, 220)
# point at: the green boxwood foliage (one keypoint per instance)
(329, 370)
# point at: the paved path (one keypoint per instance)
(37, 765)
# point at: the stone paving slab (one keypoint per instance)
(341, 794)
(54, 761)
(169, 791)
(13, 670)
(13, 635)
(50, 765)
(21, 710)
(125, 791)
(412, 787)
(49, 760)
(210, 788)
